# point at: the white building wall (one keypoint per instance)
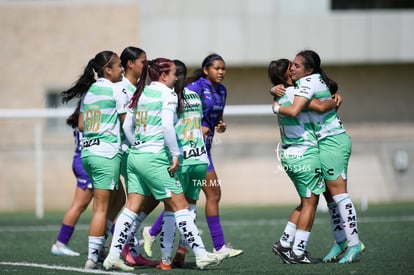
(251, 32)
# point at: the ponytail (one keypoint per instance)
(85, 81)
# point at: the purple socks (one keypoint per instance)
(157, 225)
(216, 231)
(65, 233)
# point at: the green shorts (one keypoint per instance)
(103, 171)
(192, 178)
(148, 174)
(334, 154)
(303, 167)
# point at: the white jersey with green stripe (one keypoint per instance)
(157, 105)
(324, 124)
(101, 107)
(188, 130)
(295, 130)
(126, 86)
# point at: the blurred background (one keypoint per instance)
(366, 46)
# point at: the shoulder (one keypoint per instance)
(188, 92)
(221, 88)
(197, 85)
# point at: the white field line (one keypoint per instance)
(259, 222)
(66, 268)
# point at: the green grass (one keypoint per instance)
(386, 230)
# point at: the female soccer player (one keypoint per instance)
(207, 83)
(102, 111)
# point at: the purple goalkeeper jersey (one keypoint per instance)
(213, 101)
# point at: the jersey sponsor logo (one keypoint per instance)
(194, 152)
(91, 142)
(191, 106)
(303, 91)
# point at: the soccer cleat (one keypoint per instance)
(90, 264)
(283, 252)
(62, 250)
(165, 263)
(351, 253)
(336, 250)
(179, 257)
(208, 259)
(125, 251)
(305, 258)
(116, 264)
(139, 261)
(148, 240)
(227, 251)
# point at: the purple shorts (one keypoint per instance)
(210, 161)
(82, 178)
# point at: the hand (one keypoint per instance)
(221, 127)
(338, 99)
(175, 165)
(278, 90)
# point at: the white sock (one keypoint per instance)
(167, 235)
(95, 245)
(288, 235)
(349, 216)
(189, 231)
(122, 232)
(193, 215)
(301, 241)
(337, 223)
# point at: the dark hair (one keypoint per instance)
(72, 120)
(277, 71)
(130, 53)
(95, 65)
(180, 83)
(207, 62)
(311, 60)
(154, 68)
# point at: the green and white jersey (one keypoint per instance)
(188, 130)
(155, 116)
(324, 124)
(295, 130)
(101, 107)
(126, 86)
